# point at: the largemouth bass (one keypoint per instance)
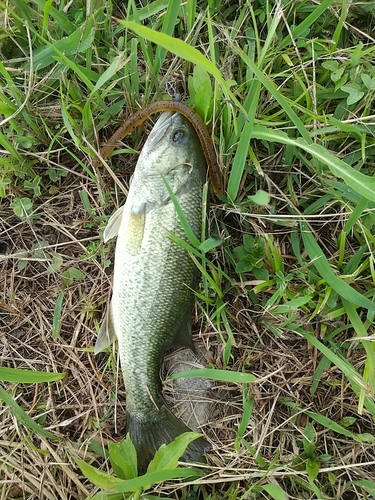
(154, 278)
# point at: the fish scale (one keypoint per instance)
(154, 277)
(156, 293)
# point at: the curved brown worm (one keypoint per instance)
(200, 128)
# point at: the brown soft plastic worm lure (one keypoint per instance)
(142, 114)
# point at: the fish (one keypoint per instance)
(154, 278)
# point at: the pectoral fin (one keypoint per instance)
(107, 334)
(113, 225)
(136, 228)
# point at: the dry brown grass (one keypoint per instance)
(86, 409)
(28, 297)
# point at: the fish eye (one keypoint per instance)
(179, 136)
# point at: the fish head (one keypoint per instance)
(172, 153)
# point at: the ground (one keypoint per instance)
(268, 304)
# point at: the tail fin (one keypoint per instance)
(148, 435)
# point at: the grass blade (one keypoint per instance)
(23, 417)
(168, 27)
(271, 87)
(353, 376)
(14, 375)
(320, 262)
(56, 324)
(306, 23)
(363, 184)
(183, 50)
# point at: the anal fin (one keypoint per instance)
(183, 337)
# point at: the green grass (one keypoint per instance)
(288, 91)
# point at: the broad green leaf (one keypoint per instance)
(275, 491)
(125, 457)
(365, 437)
(329, 424)
(312, 468)
(72, 274)
(351, 88)
(260, 198)
(336, 75)
(77, 42)
(347, 421)
(330, 64)
(367, 485)
(244, 266)
(155, 477)
(200, 91)
(291, 305)
(209, 244)
(354, 96)
(368, 81)
(22, 207)
(167, 456)
(97, 477)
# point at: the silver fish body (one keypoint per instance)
(154, 278)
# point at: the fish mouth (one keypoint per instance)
(162, 127)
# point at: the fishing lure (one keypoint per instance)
(200, 128)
